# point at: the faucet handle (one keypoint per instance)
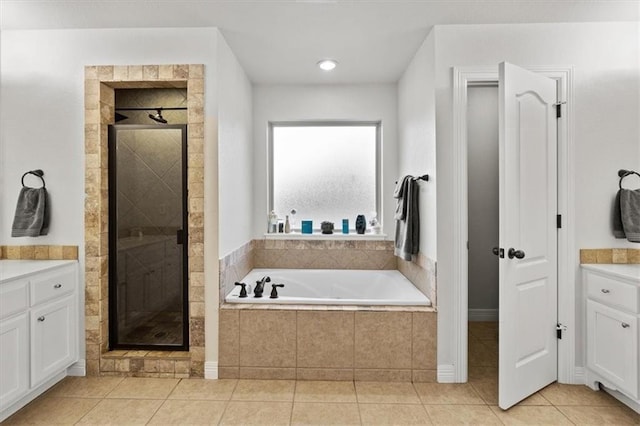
(274, 290)
(243, 290)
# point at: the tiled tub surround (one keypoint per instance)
(100, 84)
(422, 273)
(320, 342)
(324, 254)
(337, 343)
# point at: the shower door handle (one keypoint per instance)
(180, 236)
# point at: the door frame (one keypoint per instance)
(463, 77)
(112, 132)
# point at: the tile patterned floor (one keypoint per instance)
(132, 401)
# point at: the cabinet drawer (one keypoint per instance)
(14, 297)
(52, 284)
(612, 292)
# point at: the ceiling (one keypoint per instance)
(280, 42)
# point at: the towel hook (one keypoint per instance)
(39, 173)
(624, 173)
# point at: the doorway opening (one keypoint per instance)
(464, 79)
(483, 233)
(148, 301)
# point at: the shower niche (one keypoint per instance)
(148, 292)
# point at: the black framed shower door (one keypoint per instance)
(148, 241)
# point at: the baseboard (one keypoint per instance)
(579, 377)
(78, 369)
(446, 373)
(482, 315)
(211, 370)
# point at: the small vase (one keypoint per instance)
(361, 224)
(327, 227)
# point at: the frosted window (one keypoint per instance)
(326, 173)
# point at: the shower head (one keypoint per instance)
(158, 117)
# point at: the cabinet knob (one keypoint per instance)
(605, 290)
(41, 319)
(625, 325)
(57, 286)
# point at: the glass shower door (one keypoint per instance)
(147, 237)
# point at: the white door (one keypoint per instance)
(528, 234)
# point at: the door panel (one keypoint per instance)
(528, 207)
(148, 208)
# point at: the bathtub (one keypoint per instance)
(332, 287)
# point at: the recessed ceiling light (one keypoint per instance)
(327, 64)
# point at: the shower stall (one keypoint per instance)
(148, 292)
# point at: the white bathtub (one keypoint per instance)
(332, 287)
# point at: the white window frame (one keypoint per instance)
(327, 123)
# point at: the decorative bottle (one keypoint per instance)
(273, 222)
(287, 225)
(361, 224)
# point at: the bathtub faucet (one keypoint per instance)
(257, 292)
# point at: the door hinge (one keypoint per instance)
(558, 106)
(559, 329)
(559, 221)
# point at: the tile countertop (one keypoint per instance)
(626, 271)
(10, 269)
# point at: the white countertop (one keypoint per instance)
(629, 272)
(10, 269)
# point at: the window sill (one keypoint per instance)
(320, 236)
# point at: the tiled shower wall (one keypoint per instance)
(100, 85)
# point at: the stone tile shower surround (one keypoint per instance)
(100, 84)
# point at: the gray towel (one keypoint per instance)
(618, 230)
(32, 213)
(408, 229)
(630, 209)
(398, 193)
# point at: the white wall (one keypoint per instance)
(482, 169)
(417, 137)
(605, 57)
(324, 102)
(235, 151)
(42, 119)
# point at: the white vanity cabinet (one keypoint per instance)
(613, 329)
(39, 325)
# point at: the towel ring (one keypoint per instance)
(39, 173)
(624, 173)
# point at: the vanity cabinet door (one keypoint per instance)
(53, 339)
(14, 359)
(612, 346)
